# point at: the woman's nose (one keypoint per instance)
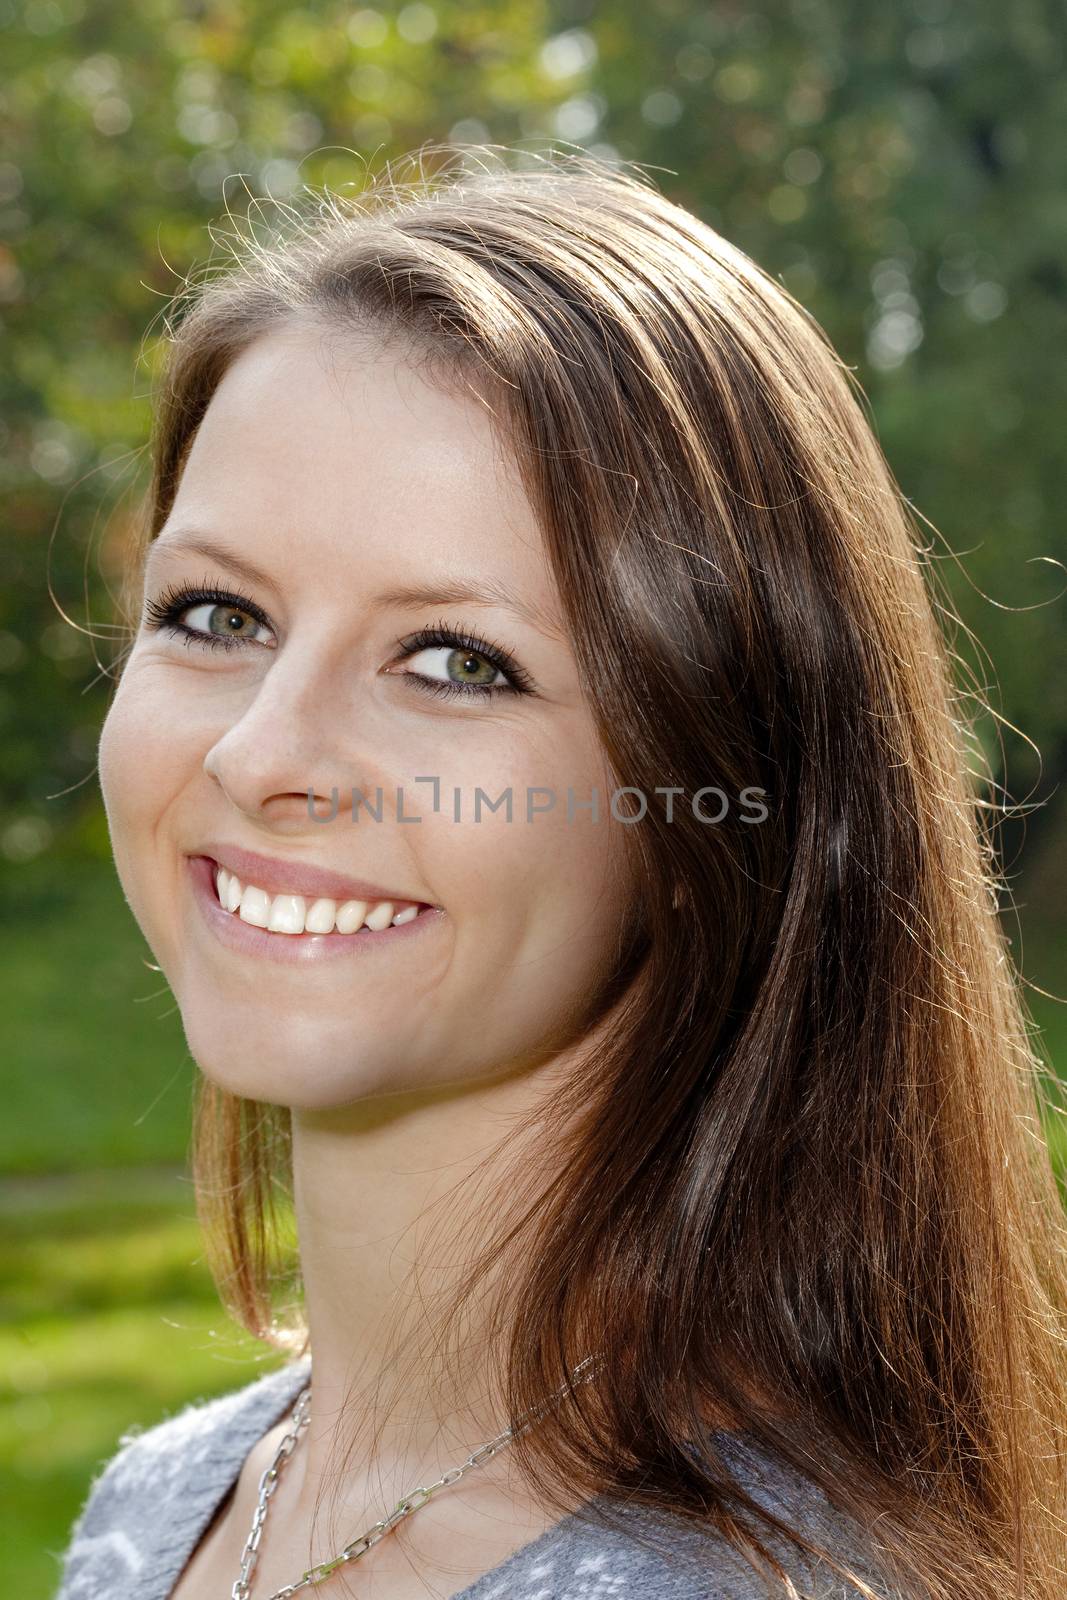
(283, 754)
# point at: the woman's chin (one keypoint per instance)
(287, 1061)
(274, 1082)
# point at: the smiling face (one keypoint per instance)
(341, 474)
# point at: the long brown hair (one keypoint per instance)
(802, 1184)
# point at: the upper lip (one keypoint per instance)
(297, 877)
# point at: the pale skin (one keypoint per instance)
(341, 471)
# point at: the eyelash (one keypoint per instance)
(165, 609)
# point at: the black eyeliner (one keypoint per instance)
(163, 610)
(443, 634)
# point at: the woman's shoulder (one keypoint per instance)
(148, 1504)
(610, 1547)
(661, 1554)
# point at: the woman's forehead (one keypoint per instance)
(374, 439)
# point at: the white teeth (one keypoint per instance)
(350, 915)
(287, 913)
(228, 889)
(381, 916)
(255, 906)
(293, 913)
(320, 916)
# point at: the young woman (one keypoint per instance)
(538, 772)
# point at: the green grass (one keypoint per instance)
(109, 1316)
(110, 1320)
(101, 1071)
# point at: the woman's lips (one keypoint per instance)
(293, 947)
(297, 877)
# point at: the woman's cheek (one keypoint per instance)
(135, 772)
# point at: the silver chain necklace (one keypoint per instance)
(268, 1482)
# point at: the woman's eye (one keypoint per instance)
(458, 668)
(219, 622)
(453, 661)
(207, 616)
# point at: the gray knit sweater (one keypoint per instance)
(148, 1508)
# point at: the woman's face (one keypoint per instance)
(341, 474)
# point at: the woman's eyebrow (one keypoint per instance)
(182, 542)
(482, 592)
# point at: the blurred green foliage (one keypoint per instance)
(900, 169)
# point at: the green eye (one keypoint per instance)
(221, 607)
(470, 666)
